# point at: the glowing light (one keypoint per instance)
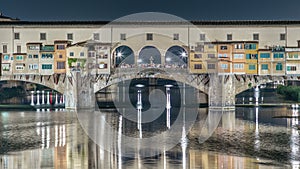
(139, 60)
(119, 54)
(168, 59)
(183, 54)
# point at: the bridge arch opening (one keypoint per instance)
(124, 56)
(21, 92)
(149, 56)
(176, 56)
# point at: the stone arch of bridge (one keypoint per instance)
(150, 73)
(47, 81)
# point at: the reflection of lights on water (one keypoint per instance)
(168, 106)
(184, 143)
(294, 140)
(48, 137)
(257, 141)
(43, 137)
(120, 142)
(56, 135)
(139, 107)
(165, 160)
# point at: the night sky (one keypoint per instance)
(107, 10)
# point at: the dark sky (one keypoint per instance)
(188, 9)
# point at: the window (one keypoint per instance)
(252, 67)
(264, 67)
(199, 48)
(6, 57)
(175, 36)
(291, 68)
(224, 66)
(91, 54)
(255, 36)
(33, 66)
(238, 66)
(12, 58)
(4, 48)
(123, 36)
(197, 56)
(60, 47)
(46, 66)
(43, 36)
(210, 46)
(238, 46)
(222, 55)
(202, 37)
(18, 49)
(6, 67)
(19, 57)
(149, 36)
(30, 56)
(223, 47)
(20, 67)
(197, 66)
(278, 66)
(81, 54)
(278, 55)
(282, 36)
(60, 65)
(96, 36)
(229, 36)
(60, 56)
(71, 53)
(35, 56)
(47, 56)
(250, 46)
(264, 55)
(211, 66)
(251, 56)
(17, 35)
(33, 47)
(70, 36)
(211, 55)
(238, 56)
(102, 66)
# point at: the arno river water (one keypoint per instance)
(249, 137)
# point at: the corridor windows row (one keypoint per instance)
(149, 36)
(209, 66)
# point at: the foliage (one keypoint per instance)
(71, 60)
(289, 92)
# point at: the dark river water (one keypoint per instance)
(249, 137)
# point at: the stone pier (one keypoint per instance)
(79, 93)
(221, 93)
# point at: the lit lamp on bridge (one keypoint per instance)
(139, 107)
(168, 106)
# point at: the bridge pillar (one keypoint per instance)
(79, 92)
(221, 92)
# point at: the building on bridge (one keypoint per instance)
(227, 47)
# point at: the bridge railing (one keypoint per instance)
(148, 71)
